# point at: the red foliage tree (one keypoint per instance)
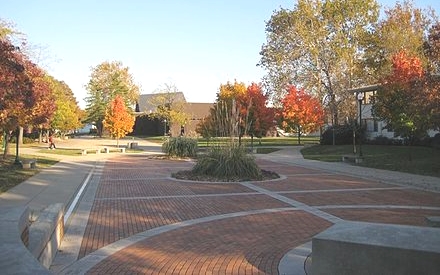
(17, 96)
(255, 117)
(404, 98)
(300, 112)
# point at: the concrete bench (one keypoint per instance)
(352, 158)
(46, 233)
(371, 248)
(120, 149)
(29, 163)
(433, 221)
(132, 145)
(84, 151)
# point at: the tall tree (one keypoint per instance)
(107, 80)
(403, 27)
(300, 112)
(118, 119)
(68, 114)
(16, 91)
(319, 46)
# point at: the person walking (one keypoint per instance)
(51, 143)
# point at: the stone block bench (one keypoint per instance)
(370, 248)
(29, 163)
(84, 151)
(352, 158)
(46, 233)
(120, 149)
(132, 145)
(433, 221)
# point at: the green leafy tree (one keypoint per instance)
(107, 80)
(319, 45)
(170, 105)
(118, 120)
(404, 27)
(67, 116)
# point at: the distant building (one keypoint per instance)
(146, 125)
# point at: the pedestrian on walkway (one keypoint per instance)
(51, 143)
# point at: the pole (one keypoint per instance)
(360, 127)
(17, 137)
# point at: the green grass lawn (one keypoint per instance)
(410, 159)
(12, 175)
(266, 141)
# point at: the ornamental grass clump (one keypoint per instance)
(230, 163)
(180, 147)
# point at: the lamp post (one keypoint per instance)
(17, 137)
(360, 97)
(164, 127)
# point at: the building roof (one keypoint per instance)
(196, 111)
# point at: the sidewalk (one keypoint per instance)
(60, 183)
(293, 156)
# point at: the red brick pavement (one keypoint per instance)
(252, 244)
(409, 197)
(135, 194)
(111, 220)
(393, 216)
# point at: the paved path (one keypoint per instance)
(134, 219)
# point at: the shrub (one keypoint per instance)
(343, 135)
(435, 141)
(180, 147)
(228, 163)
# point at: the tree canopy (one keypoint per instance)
(107, 80)
(170, 105)
(300, 112)
(319, 46)
(238, 111)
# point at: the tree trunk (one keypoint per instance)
(299, 135)
(20, 135)
(6, 150)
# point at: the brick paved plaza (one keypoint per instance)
(144, 222)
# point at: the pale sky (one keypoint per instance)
(195, 44)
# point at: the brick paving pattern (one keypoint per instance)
(136, 194)
(247, 245)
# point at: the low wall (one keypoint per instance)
(29, 248)
(46, 233)
(15, 258)
(368, 248)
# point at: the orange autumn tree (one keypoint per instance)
(118, 121)
(401, 100)
(300, 112)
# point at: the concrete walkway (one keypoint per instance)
(133, 218)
